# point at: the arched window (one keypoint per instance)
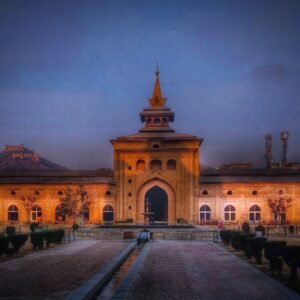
(155, 164)
(229, 193)
(140, 165)
(13, 213)
(108, 213)
(59, 215)
(171, 164)
(107, 193)
(205, 193)
(229, 213)
(254, 213)
(205, 213)
(36, 213)
(86, 212)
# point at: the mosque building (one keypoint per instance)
(158, 165)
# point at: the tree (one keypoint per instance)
(74, 203)
(28, 202)
(279, 203)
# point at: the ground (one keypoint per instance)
(55, 272)
(164, 270)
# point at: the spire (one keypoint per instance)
(157, 98)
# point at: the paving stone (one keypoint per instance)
(201, 270)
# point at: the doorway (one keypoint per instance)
(158, 199)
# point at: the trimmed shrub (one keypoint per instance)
(54, 236)
(291, 229)
(260, 228)
(10, 230)
(291, 256)
(273, 252)
(235, 240)
(4, 242)
(245, 227)
(226, 236)
(37, 239)
(243, 240)
(254, 248)
(33, 226)
(18, 240)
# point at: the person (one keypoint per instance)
(221, 225)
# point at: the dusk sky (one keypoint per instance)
(75, 74)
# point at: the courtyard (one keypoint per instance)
(163, 270)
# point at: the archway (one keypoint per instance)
(158, 199)
(170, 199)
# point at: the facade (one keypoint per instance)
(158, 165)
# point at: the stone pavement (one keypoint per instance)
(198, 270)
(54, 273)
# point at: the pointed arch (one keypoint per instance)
(144, 188)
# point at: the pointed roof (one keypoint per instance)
(157, 98)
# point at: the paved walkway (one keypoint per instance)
(55, 273)
(200, 270)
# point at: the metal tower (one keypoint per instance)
(284, 139)
(268, 155)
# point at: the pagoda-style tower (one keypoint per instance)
(159, 164)
(157, 117)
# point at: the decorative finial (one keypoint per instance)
(157, 71)
(157, 98)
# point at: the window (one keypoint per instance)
(155, 164)
(13, 193)
(36, 193)
(86, 213)
(149, 121)
(205, 213)
(165, 121)
(108, 213)
(107, 193)
(60, 193)
(229, 213)
(129, 168)
(254, 213)
(155, 146)
(129, 194)
(205, 193)
(13, 213)
(156, 120)
(140, 165)
(229, 193)
(59, 215)
(129, 180)
(254, 193)
(36, 213)
(171, 164)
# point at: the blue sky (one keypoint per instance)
(75, 74)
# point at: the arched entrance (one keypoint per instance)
(165, 208)
(158, 199)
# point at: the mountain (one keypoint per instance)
(18, 157)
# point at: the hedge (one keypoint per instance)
(18, 240)
(4, 242)
(273, 252)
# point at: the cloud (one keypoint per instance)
(269, 72)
